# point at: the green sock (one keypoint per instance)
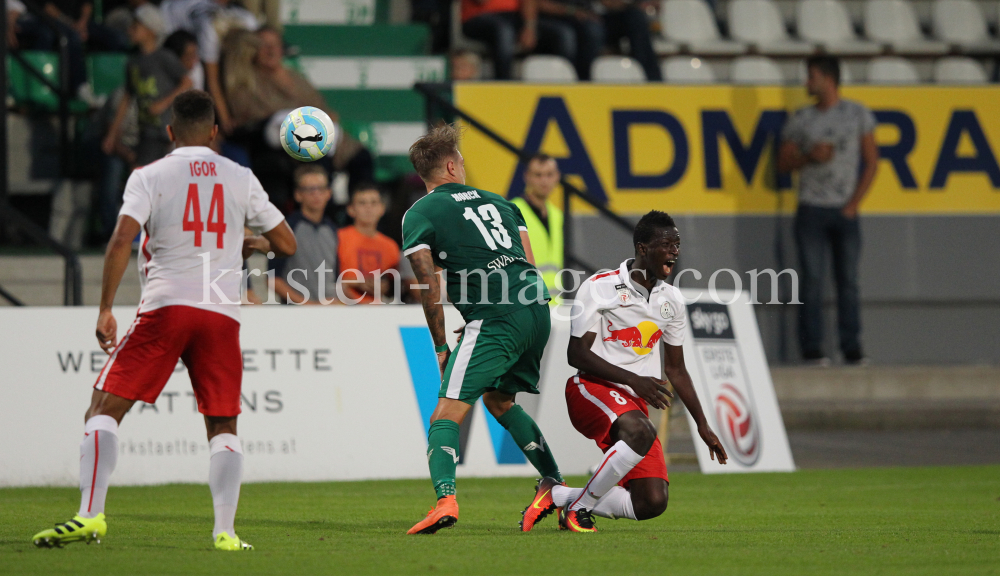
(527, 435)
(442, 456)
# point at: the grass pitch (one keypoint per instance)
(873, 521)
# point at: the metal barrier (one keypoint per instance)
(438, 106)
(73, 282)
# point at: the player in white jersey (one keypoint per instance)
(191, 207)
(618, 320)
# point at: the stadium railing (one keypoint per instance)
(73, 281)
(439, 106)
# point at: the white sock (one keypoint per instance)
(617, 503)
(563, 495)
(225, 472)
(618, 461)
(98, 456)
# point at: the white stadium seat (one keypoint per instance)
(826, 22)
(755, 70)
(892, 70)
(959, 70)
(691, 23)
(544, 68)
(894, 22)
(687, 70)
(617, 70)
(961, 22)
(758, 22)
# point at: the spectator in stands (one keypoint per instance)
(14, 10)
(154, 77)
(543, 219)
(592, 31)
(509, 26)
(310, 276)
(74, 19)
(262, 90)
(113, 166)
(826, 143)
(465, 65)
(184, 45)
(366, 250)
(208, 20)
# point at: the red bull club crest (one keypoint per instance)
(641, 339)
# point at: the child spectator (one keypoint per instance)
(310, 276)
(184, 45)
(365, 250)
(153, 78)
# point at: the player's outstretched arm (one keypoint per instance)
(580, 356)
(526, 244)
(676, 371)
(115, 261)
(430, 299)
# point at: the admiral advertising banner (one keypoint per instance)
(711, 149)
(725, 358)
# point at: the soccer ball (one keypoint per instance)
(307, 134)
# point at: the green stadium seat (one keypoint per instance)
(106, 71)
(26, 89)
(375, 40)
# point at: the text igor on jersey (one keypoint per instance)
(193, 205)
(629, 325)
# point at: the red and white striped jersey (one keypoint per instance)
(192, 206)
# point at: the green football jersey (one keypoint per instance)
(475, 237)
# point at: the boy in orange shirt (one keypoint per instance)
(366, 250)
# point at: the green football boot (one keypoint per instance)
(78, 529)
(231, 543)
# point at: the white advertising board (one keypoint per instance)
(329, 393)
(725, 357)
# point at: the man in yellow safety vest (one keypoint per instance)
(544, 220)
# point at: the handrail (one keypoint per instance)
(73, 279)
(10, 297)
(432, 92)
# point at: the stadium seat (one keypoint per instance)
(691, 24)
(617, 70)
(327, 72)
(687, 70)
(755, 70)
(959, 70)
(374, 40)
(758, 23)
(25, 88)
(961, 23)
(551, 69)
(826, 22)
(106, 71)
(892, 70)
(328, 12)
(894, 22)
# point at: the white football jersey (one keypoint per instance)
(192, 206)
(629, 323)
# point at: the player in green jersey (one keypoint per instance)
(479, 241)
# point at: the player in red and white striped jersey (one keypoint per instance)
(192, 207)
(621, 321)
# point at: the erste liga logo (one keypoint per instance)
(737, 425)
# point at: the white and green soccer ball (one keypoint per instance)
(307, 134)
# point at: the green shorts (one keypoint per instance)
(502, 353)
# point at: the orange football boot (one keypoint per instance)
(541, 506)
(577, 521)
(444, 515)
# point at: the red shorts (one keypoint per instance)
(594, 405)
(207, 342)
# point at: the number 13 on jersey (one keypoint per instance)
(490, 213)
(216, 210)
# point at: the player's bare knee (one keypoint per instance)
(650, 503)
(498, 403)
(635, 430)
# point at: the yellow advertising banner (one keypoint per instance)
(711, 149)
